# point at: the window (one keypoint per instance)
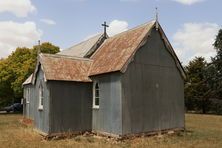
(96, 94)
(40, 97)
(28, 95)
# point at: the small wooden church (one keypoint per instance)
(127, 84)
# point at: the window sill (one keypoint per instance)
(27, 102)
(40, 108)
(95, 107)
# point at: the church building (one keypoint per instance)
(128, 84)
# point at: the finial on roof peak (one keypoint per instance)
(39, 47)
(157, 19)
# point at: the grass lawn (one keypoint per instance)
(203, 131)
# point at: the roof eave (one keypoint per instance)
(96, 74)
(80, 81)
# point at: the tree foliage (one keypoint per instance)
(217, 65)
(196, 88)
(203, 88)
(16, 68)
(218, 42)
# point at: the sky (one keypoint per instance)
(190, 25)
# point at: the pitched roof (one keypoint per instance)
(116, 51)
(28, 80)
(84, 48)
(113, 55)
(65, 68)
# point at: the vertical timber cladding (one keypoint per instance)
(108, 118)
(31, 102)
(70, 106)
(153, 90)
(24, 101)
(41, 117)
(28, 111)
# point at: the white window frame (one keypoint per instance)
(41, 97)
(94, 95)
(28, 95)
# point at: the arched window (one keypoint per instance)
(96, 94)
(40, 97)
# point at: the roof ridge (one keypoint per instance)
(70, 48)
(65, 56)
(122, 47)
(134, 28)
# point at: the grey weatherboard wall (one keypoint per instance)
(67, 106)
(152, 90)
(28, 110)
(41, 117)
(70, 106)
(148, 97)
(108, 118)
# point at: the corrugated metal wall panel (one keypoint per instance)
(41, 117)
(71, 106)
(28, 111)
(153, 90)
(108, 118)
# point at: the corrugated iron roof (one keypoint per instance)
(81, 49)
(113, 55)
(116, 51)
(65, 68)
(28, 80)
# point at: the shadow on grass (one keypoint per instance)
(199, 113)
(10, 113)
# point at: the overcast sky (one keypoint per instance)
(191, 25)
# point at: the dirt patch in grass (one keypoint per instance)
(201, 131)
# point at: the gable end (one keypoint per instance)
(168, 47)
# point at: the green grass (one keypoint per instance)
(203, 131)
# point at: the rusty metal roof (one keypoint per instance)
(65, 68)
(113, 55)
(83, 48)
(116, 52)
(28, 80)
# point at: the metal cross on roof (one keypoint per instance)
(105, 26)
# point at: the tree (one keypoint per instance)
(217, 65)
(203, 89)
(196, 88)
(44, 48)
(15, 69)
(6, 92)
(218, 42)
